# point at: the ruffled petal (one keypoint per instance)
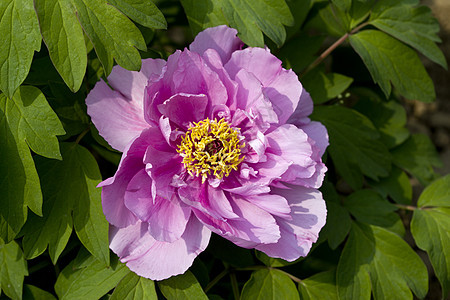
(132, 84)
(304, 109)
(117, 118)
(221, 38)
(154, 259)
(138, 195)
(184, 109)
(308, 213)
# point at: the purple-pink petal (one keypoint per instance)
(154, 259)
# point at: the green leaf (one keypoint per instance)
(436, 194)
(338, 222)
(319, 286)
(26, 120)
(64, 38)
(323, 87)
(269, 284)
(300, 51)
(250, 18)
(272, 262)
(369, 207)
(390, 61)
(352, 277)
(431, 231)
(431, 228)
(112, 34)
(89, 280)
(13, 269)
(143, 12)
(75, 194)
(379, 260)
(354, 145)
(20, 38)
(133, 286)
(414, 26)
(35, 293)
(183, 286)
(388, 117)
(397, 185)
(418, 156)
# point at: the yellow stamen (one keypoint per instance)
(211, 147)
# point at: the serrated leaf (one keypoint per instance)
(26, 120)
(75, 193)
(431, 231)
(414, 26)
(143, 12)
(133, 286)
(13, 269)
(181, 287)
(250, 18)
(319, 286)
(388, 117)
(20, 38)
(64, 38)
(269, 284)
(386, 264)
(417, 155)
(35, 293)
(390, 61)
(397, 185)
(354, 145)
(112, 34)
(90, 280)
(323, 87)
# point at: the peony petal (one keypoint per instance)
(304, 109)
(258, 61)
(132, 84)
(221, 38)
(184, 109)
(168, 220)
(158, 260)
(319, 134)
(308, 214)
(138, 195)
(118, 119)
(284, 94)
(273, 204)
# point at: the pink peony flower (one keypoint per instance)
(216, 139)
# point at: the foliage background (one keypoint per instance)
(53, 235)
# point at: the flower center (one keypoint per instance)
(211, 147)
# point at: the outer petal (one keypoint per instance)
(308, 214)
(138, 195)
(158, 260)
(319, 134)
(221, 38)
(304, 109)
(284, 93)
(118, 119)
(132, 84)
(258, 61)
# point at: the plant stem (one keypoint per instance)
(330, 49)
(82, 135)
(406, 207)
(234, 285)
(216, 280)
